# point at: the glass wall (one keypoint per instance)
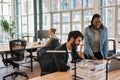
(67, 15)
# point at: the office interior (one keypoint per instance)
(30, 16)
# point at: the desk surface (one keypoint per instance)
(5, 47)
(80, 73)
(54, 76)
(114, 75)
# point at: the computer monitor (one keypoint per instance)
(43, 34)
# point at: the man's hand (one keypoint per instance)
(93, 58)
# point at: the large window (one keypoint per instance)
(108, 15)
(67, 15)
(6, 11)
(26, 19)
(110, 10)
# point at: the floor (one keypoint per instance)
(7, 70)
(36, 71)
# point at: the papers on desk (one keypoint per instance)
(91, 70)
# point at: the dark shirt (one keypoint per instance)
(61, 59)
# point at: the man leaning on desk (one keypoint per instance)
(74, 39)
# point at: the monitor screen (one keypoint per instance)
(43, 34)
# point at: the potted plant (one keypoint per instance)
(8, 26)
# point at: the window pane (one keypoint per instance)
(87, 17)
(108, 17)
(55, 5)
(24, 28)
(76, 4)
(23, 7)
(46, 21)
(46, 5)
(76, 16)
(118, 14)
(58, 36)
(30, 24)
(5, 0)
(76, 26)
(6, 9)
(65, 17)
(57, 27)
(64, 38)
(118, 2)
(86, 24)
(118, 28)
(24, 20)
(66, 28)
(108, 2)
(56, 18)
(0, 10)
(30, 6)
(65, 4)
(88, 3)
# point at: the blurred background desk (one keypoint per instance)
(5, 49)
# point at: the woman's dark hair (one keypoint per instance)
(95, 16)
(74, 34)
(53, 30)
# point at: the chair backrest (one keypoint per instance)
(54, 43)
(17, 48)
(113, 64)
(46, 61)
(111, 47)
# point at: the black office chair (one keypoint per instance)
(46, 60)
(17, 48)
(112, 62)
(54, 43)
(111, 47)
(29, 56)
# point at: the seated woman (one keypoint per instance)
(53, 40)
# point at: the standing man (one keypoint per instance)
(74, 39)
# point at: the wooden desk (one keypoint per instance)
(114, 75)
(38, 78)
(5, 48)
(54, 76)
(84, 71)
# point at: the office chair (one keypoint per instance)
(17, 48)
(113, 62)
(46, 60)
(29, 56)
(54, 43)
(111, 47)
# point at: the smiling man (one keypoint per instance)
(74, 39)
